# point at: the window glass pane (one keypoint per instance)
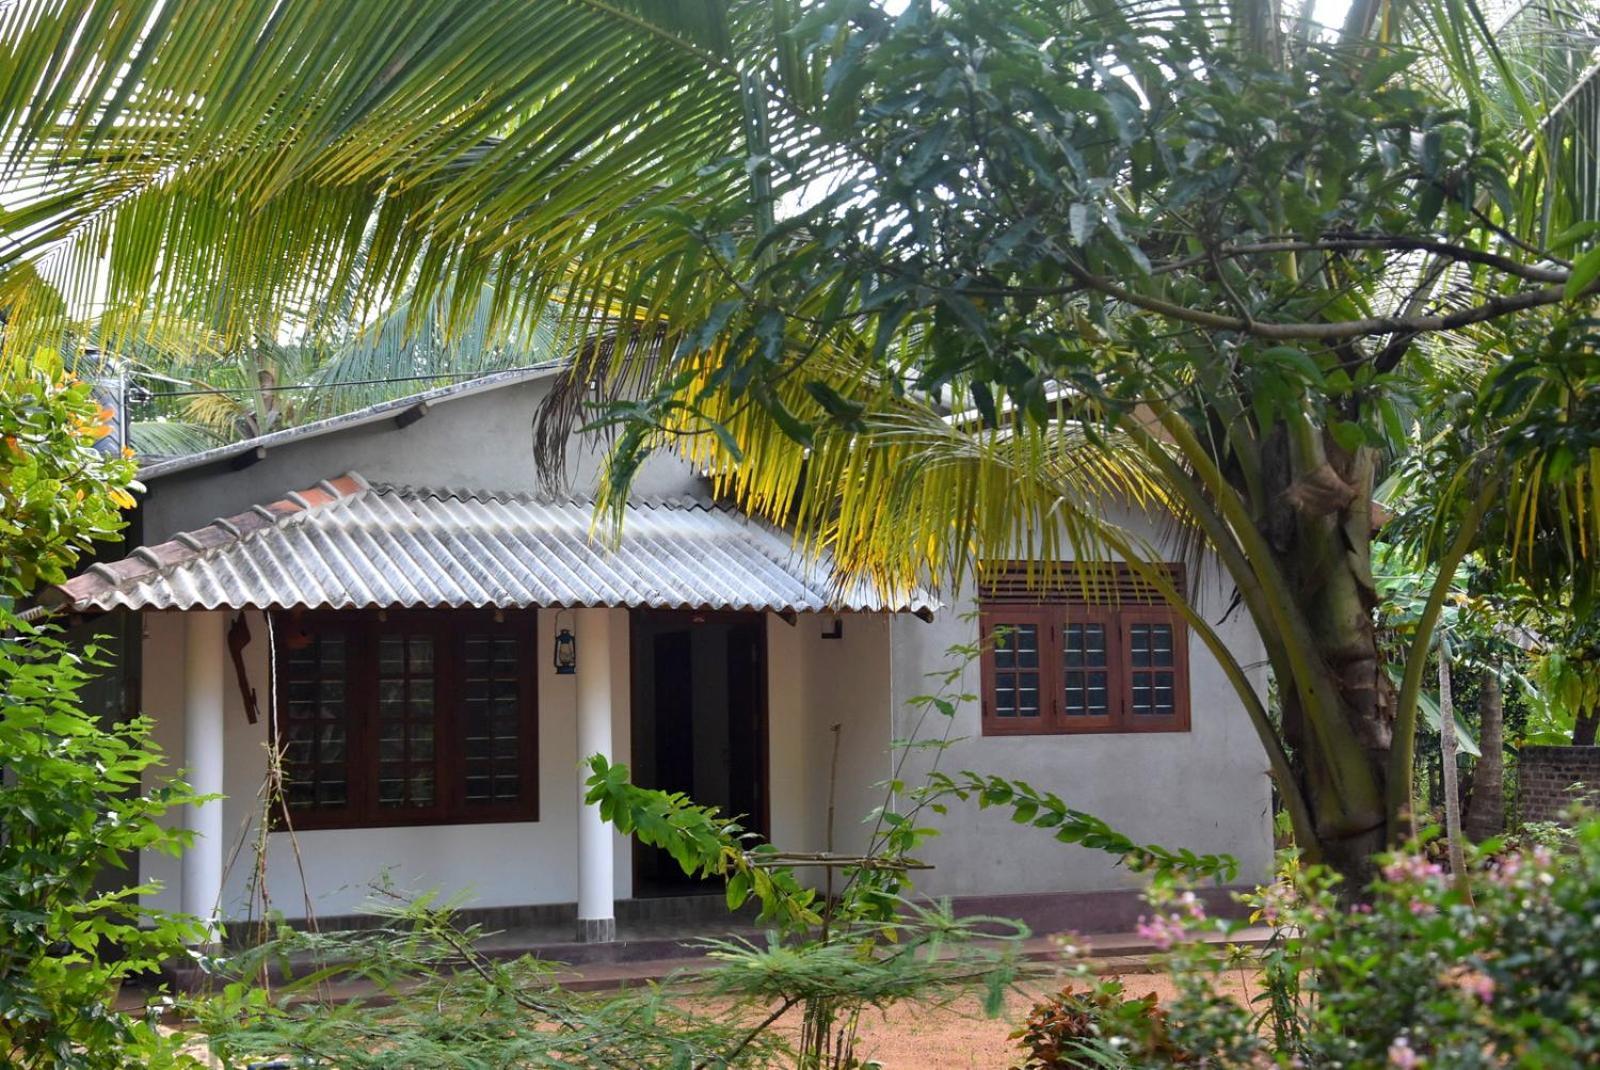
(406, 688)
(1153, 694)
(1150, 644)
(1016, 675)
(492, 719)
(1152, 678)
(1086, 690)
(313, 728)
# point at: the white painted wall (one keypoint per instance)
(1205, 789)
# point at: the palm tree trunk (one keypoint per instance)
(1319, 527)
(1486, 810)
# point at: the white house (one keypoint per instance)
(434, 647)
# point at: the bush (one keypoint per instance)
(1501, 969)
(72, 801)
(1064, 1030)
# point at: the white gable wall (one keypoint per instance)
(482, 442)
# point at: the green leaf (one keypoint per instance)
(1574, 234)
(1584, 273)
(1349, 436)
(842, 409)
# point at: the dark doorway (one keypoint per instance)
(699, 723)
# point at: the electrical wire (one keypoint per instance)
(339, 383)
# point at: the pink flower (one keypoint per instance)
(1411, 868)
(1482, 987)
(1421, 908)
(1401, 1055)
(1162, 931)
(1277, 899)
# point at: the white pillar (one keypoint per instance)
(596, 889)
(204, 665)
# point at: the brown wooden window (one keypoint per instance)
(406, 717)
(1088, 648)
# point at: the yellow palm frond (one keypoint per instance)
(907, 494)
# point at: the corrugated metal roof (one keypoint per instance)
(348, 543)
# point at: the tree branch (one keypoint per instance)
(1398, 243)
(1491, 309)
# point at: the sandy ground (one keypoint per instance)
(961, 1037)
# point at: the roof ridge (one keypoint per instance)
(196, 543)
(479, 494)
(482, 494)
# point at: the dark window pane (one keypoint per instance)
(406, 692)
(1154, 693)
(1139, 644)
(313, 737)
(1016, 677)
(1161, 644)
(1083, 650)
(492, 718)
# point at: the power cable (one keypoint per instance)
(340, 383)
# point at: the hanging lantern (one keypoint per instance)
(566, 653)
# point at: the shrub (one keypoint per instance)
(1501, 969)
(1084, 1028)
(72, 801)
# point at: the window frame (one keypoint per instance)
(1004, 617)
(1062, 602)
(1127, 617)
(1083, 724)
(448, 629)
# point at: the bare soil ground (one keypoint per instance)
(961, 1037)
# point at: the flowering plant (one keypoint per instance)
(1500, 969)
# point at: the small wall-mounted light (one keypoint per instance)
(566, 653)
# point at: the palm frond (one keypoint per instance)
(906, 493)
(170, 438)
(412, 347)
(236, 180)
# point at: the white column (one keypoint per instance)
(596, 889)
(204, 665)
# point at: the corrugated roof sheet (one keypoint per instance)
(348, 543)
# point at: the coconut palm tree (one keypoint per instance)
(737, 192)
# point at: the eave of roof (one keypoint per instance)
(371, 414)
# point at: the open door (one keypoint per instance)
(699, 724)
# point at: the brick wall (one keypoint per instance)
(1545, 779)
